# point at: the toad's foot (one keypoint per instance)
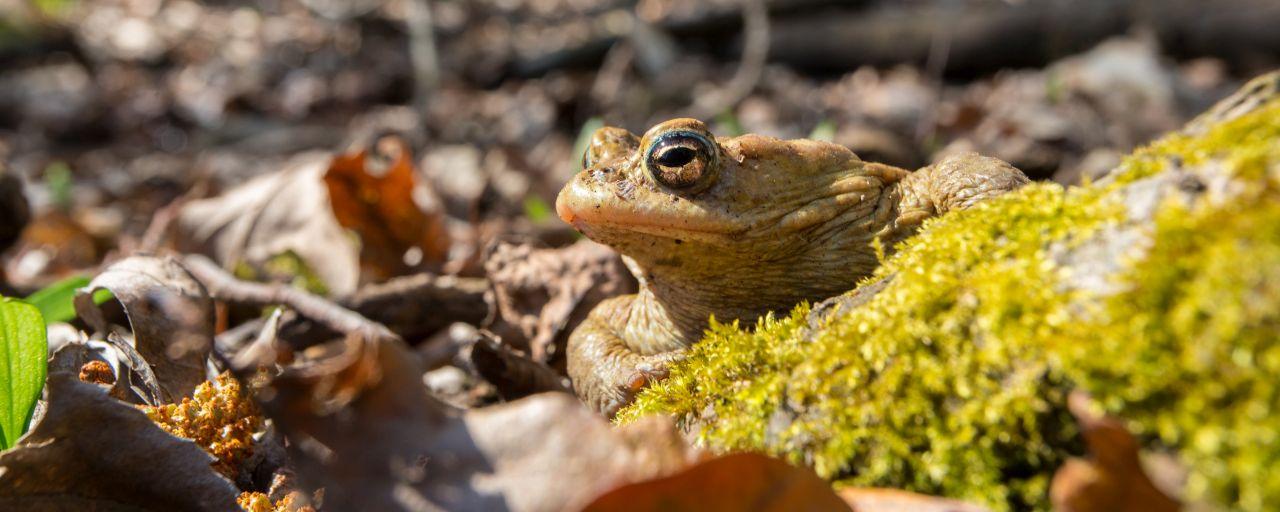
(607, 373)
(954, 183)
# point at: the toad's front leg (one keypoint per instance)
(607, 372)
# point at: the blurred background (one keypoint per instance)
(112, 109)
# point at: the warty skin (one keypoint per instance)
(735, 228)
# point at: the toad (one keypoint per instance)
(732, 228)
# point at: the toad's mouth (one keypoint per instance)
(592, 212)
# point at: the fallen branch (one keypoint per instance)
(225, 287)
(755, 52)
(158, 230)
(402, 305)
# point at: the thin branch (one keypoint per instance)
(755, 53)
(422, 53)
(935, 66)
(158, 229)
(223, 286)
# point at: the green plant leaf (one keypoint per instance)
(55, 301)
(824, 131)
(23, 349)
(536, 210)
(728, 123)
(57, 176)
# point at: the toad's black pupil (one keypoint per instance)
(676, 156)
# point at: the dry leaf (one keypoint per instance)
(53, 246)
(396, 447)
(744, 481)
(393, 213)
(169, 313)
(542, 294)
(73, 356)
(1111, 477)
(93, 452)
(273, 215)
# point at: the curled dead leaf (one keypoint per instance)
(93, 452)
(170, 315)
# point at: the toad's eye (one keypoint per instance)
(676, 156)
(682, 160)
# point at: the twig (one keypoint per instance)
(235, 338)
(402, 305)
(158, 230)
(223, 286)
(755, 52)
(935, 65)
(263, 347)
(422, 53)
(611, 76)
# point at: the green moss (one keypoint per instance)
(951, 380)
(1188, 352)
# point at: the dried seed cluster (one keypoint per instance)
(220, 417)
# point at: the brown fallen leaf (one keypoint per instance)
(744, 481)
(169, 313)
(393, 213)
(396, 447)
(274, 215)
(53, 246)
(93, 452)
(541, 294)
(1111, 477)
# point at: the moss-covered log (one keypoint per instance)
(1157, 290)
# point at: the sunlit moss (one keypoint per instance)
(1189, 350)
(951, 380)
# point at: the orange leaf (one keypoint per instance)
(382, 209)
(744, 481)
(1112, 476)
